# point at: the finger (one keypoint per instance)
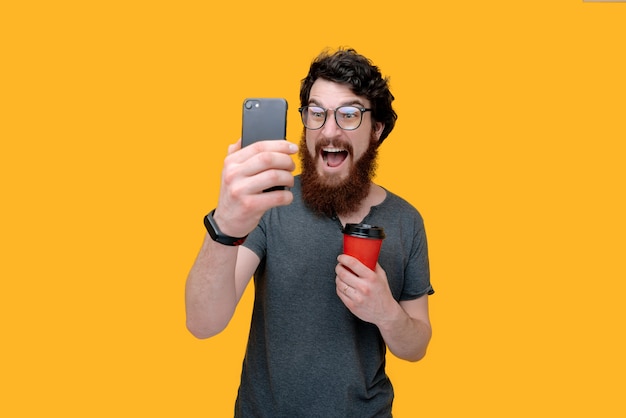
(278, 146)
(346, 283)
(259, 173)
(343, 291)
(232, 148)
(266, 161)
(267, 200)
(268, 179)
(353, 265)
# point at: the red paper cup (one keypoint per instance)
(363, 242)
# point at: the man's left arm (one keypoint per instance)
(405, 325)
(408, 331)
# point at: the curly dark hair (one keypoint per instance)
(346, 66)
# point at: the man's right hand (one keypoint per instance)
(247, 172)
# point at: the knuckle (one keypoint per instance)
(280, 177)
(247, 205)
(285, 198)
(253, 148)
(272, 176)
(289, 181)
(265, 158)
(228, 177)
(236, 191)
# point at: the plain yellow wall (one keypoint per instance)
(114, 121)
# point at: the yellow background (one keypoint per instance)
(114, 121)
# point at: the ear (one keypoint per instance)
(378, 129)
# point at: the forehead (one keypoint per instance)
(330, 94)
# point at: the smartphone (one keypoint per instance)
(263, 118)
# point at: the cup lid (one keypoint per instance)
(364, 231)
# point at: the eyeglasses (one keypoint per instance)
(348, 118)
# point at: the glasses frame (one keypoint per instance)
(361, 109)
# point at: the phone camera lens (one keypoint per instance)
(248, 104)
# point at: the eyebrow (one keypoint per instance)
(355, 102)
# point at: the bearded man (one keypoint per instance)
(322, 321)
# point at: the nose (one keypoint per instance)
(331, 128)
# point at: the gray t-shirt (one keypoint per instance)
(307, 354)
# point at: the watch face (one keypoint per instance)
(208, 224)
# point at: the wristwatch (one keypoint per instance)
(217, 235)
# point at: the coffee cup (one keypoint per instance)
(363, 242)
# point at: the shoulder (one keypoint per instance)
(399, 215)
(394, 202)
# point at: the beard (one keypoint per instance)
(332, 196)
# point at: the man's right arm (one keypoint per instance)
(215, 285)
(221, 272)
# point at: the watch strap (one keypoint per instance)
(217, 235)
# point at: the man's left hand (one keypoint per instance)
(365, 292)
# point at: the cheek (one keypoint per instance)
(360, 146)
(310, 144)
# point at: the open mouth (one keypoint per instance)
(334, 157)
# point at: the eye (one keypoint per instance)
(348, 112)
(316, 112)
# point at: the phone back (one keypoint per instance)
(263, 118)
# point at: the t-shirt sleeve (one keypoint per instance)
(417, 272)
(257, 240)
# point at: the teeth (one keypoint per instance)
(333, 150)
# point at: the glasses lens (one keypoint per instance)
(313, 117)
(348, 117)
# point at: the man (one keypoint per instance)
(322, 320)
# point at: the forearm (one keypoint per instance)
(221, 272)
(210, 292)
(406, 337)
